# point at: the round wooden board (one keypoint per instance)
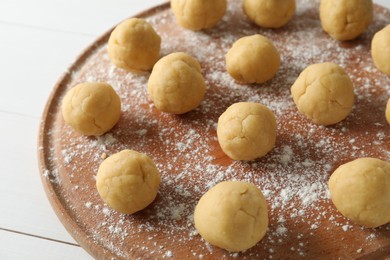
(293, 176)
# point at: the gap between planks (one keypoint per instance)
(39, 237)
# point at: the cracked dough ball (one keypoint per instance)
(324, 93)
(128, 181)
(380, 50)
(388, 111)
(232, 215)
(360, 190)
(134, 45)
(345, 19)
(246, 131)
(198, 14)
(91, 108)
(269, 13)
(176, 84)
(252, 59)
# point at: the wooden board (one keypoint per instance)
(293, 176)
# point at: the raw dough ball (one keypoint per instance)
(176, 84)
(345, 19)
(91, 108)
(232, 215)
(198, 14)
(253, 59)
(324, 93)
(269, 13)
(380, 50)
(388, 111)
(246, 131)
(128, 181)
(360, 190)
(134, 45)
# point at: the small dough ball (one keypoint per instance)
(345, 19)
(198, 14)
(232, 215)
(134, 45)
(388, 111)
(91, 108)
(176, 84)
(324, 93)
(269, 13)
(360, 190)
(380, 50)
(246, 131)
(128, 181)
(253, 59)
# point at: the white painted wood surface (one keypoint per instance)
(38, 41)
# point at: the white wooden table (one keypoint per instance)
(38, 41)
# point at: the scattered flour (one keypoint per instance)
(293, 177)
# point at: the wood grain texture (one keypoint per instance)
(39, 40)
(69, 183)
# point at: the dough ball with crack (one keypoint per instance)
(198, 14)
(252, 59)
(232, 215)
(91, 108)
(128, 181)
(388, 111)
(380, 50)
(269, 13)
(324, 93)
(360, 190)
(176, 84)
(246, 131)
(134, 45)
(345, 19)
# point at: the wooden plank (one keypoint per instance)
(24, 205)
(384, 3)
(19, 246)
(32, 60)
(91, 17)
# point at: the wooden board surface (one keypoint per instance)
(303, 222)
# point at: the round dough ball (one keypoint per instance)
(380, 50)
(176, 84)
(324, 93)
(253, 59)
(134, 45)
(269, 13)
(360, 190)
(345, 19)
(246, 131)
(232, 215)
(388, 111)
(91, 108)
(128, 181)
(198, 14)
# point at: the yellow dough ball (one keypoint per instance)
(360, 190)
(324, 93)
(134, 45)
(246, 131)
(198, 14)
(388, 111)
(91, 108)
(269, 13)
(128, 181)
(232, 215)
(252, 59)
(176, 84)
(380, 50)
(345, 19)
